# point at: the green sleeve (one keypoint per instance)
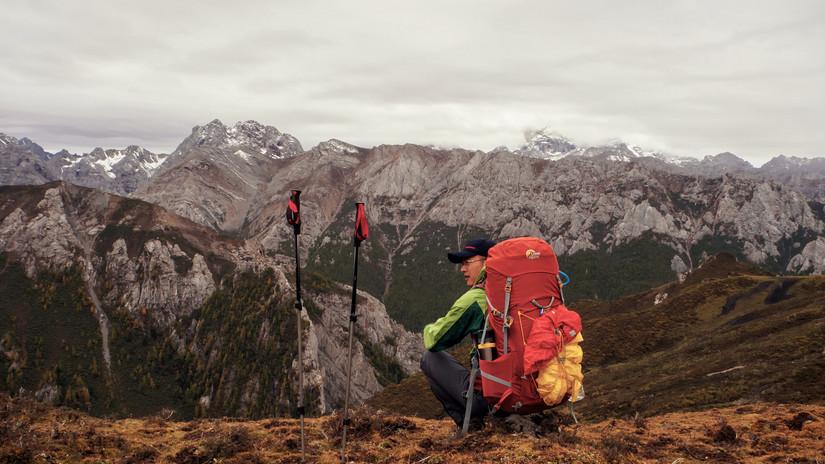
(465, 317)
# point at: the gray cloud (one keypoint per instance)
(691, 78)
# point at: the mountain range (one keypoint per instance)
(806, 175)
(125, 171)
(621, 218)
(170, 267)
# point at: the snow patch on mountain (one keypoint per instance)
(107, 160)
(246, 156)
(550, 145)
(336, 146)
(546, 144)
(152, 163)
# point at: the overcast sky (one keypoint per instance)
(689, 78)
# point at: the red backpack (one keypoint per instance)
(523, 289)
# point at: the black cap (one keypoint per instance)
(475, 247)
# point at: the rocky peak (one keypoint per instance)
(135, 160)
(783, 162)
(727, 162)
(247, 136)
(553, 146)
(215, 172)
(106, 160)
(335, 146)
(23, 162)
(615, 151)
(135, 150)
(26, 143)
(7, 140)
(545, 144)
(806, 175)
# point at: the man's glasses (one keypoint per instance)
(471, 261)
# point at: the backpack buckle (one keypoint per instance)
(507, 322)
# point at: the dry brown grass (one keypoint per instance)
(33, 433)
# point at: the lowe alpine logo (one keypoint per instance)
(533, 254)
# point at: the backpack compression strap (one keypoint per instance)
(508, 287)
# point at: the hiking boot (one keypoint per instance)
(521, 424)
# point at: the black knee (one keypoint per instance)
(426, 362)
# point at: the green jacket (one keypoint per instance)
(465, 317)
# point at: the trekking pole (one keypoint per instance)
(293, 218)
(474, 368)
(468, 408)
(361, 234)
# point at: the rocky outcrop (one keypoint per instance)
(811, 259)
(162, 281)
(158, 273)
(376, 336)
(42, 239)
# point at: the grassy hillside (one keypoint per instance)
(715, 340)
(730, 333)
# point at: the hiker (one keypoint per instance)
(537, 338)
(447, 378)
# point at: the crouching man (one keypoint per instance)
(447, 378)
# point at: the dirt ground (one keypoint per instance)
(759, 433)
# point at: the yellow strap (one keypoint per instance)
(486, 345)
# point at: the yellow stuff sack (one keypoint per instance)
(562, 375)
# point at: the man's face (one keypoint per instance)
(471, 267)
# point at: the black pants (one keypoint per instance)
(448, 380)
